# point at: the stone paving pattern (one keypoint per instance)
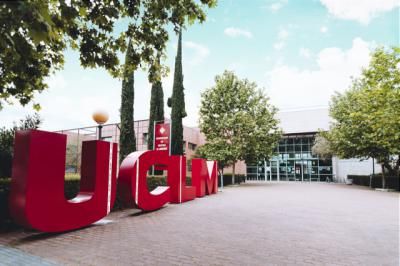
(15, 257)
(252, 224)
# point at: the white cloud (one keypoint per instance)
(291, 87)
(200, 52)
(277, 5)
(283, 35)
(304, 52)
(56, 81)
(323, 29)
(237, 32)
(279, 45)
(361, 11)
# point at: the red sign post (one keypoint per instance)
(161, 137)
(161, 142)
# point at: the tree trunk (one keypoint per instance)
(222, 177)
(233, 173)
(383, 177)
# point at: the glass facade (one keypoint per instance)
(293, 161)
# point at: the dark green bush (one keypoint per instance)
(376, 181)
(7, 141)
(228, 179)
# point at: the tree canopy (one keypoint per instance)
(238, 121)
(35, 34)
(177, 103)
(321, 147)
(127, 138)
(156, 111)
(366, 118)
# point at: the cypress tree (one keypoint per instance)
(177, 103)
(127, 139)
(156, 110)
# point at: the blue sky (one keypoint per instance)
(299, 51)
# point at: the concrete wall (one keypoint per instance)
(299, 121)
(344, 167)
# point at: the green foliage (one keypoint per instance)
(7, 141)
(238, 121)
(321, 147)
(392, 182)
(177, 104)
(127, 139)
(73, 157)
(34, 35)
(217, 150)
(156, 110)
(367, 116)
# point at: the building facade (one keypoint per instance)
(192, 138)
(294, 161)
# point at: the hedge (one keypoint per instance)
(71, 189)
(228, 179)
(376, 181)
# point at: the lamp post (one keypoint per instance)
(100, 117)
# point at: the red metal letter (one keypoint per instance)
(37, 190)
(177, 180)
(205, 177)
(132, 184)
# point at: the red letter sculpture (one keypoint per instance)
(177, 180)
(37, 190)
(132, 181)
(205, 177)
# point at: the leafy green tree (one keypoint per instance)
(156, 110)
(238, 121)
(177, 104)
(321, 147)
(127, 139)
(366, 118)
(7, 141)
(216, 151)
(34, 35)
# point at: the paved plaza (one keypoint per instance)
(251, 224)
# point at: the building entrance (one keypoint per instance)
(298, 171)
(293, 161)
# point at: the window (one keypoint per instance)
(296, 162)
(145, 138)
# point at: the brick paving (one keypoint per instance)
(12, 256)
(252, 224)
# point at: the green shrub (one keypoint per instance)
(7, 142)
(375, 181)
(228, 179)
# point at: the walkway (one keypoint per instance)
(253, 224)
